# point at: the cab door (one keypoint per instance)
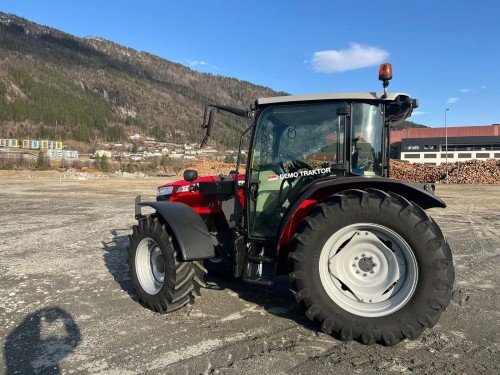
(293, 146)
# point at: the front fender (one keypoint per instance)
(187, 226)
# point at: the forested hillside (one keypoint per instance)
(57, 86)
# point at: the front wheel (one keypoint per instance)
(162, 280)
(371, 266)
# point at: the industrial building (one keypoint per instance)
(435, 146)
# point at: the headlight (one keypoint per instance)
(165, 190)
(182, 189)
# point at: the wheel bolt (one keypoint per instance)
(374, 264)
(353, 265)
(357, 271)
(356, 258)
(371, 300)
(372, 271)
(364, 274)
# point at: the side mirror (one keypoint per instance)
(190, 175)
(207, 125)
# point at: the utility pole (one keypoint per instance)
(446, 141)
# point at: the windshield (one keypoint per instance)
(297, 144)
(291, 133)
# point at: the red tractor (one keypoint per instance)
(364, 259)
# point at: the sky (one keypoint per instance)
(444, 53)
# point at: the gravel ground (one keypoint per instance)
(67, 305)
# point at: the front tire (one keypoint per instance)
(371, 266)
(162, 280)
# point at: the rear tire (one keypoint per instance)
(371, 266)
(162, 280)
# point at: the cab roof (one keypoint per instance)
(333, 96)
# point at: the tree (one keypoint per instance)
(104, 164)
(229, 159)
(41, 162)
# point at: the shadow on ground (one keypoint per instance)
(115, 258)
(41, 342)
(276, 299)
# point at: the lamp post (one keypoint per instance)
(446, 141)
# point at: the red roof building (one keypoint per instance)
(456, 131)
(429, 145)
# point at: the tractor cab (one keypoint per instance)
(299, 141)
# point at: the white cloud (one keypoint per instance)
(466, 91)
(195, 64)
(418, 113)
(357, 56)
(452, 100)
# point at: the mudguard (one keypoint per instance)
(187, 226)
(421, 194)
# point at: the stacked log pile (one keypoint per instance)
(467, 172)
(477, 172)
(213, 168)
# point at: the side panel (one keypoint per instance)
(203, 204)
(188, 227)
(322, 189)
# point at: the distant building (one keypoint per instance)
(62, 154)
(102, 153)
(35, 144)
(428, 145)
(135, 157)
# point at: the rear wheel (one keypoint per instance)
(371, 266)
(162, 280)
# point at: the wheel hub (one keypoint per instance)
(157, 264)
(366, 264)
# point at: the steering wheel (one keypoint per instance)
(300, 164)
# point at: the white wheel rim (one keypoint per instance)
(368, 270)
(150, 266)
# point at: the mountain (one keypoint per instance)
(54, 85)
